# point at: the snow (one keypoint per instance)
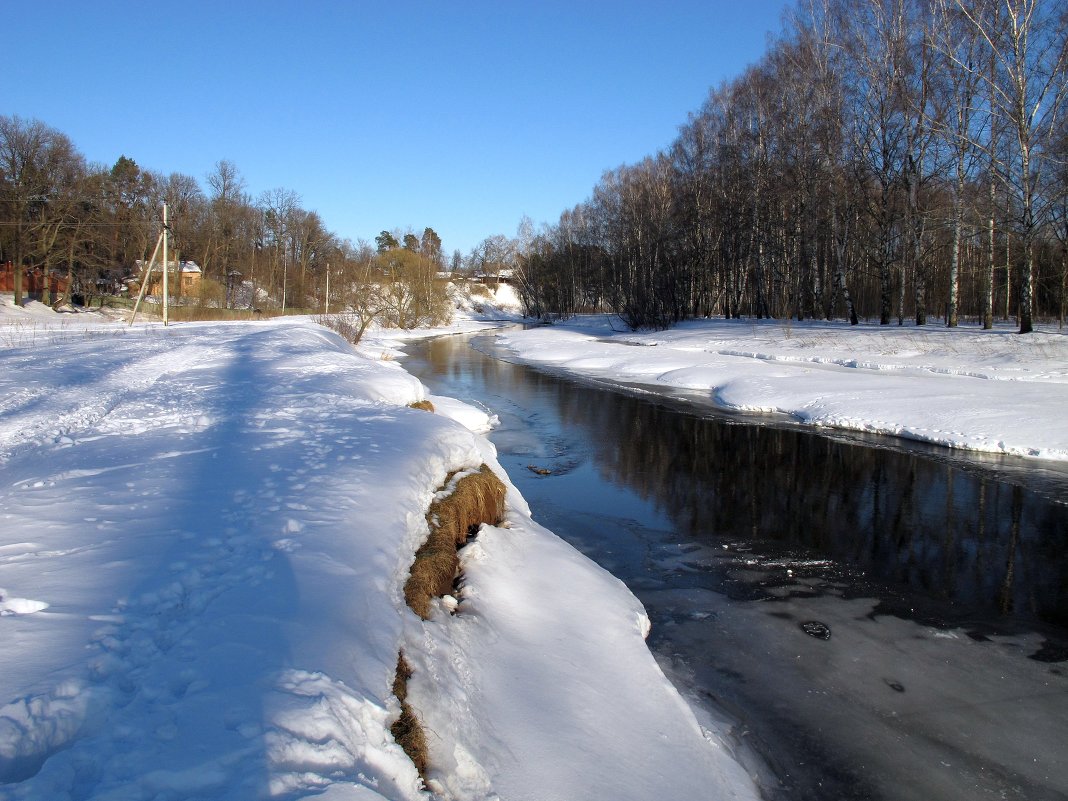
(29, 310)
(486, 301)
(206, 531)
(990, 391)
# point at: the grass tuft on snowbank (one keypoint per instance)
(465, 503)
(476, 498)
(407, 730)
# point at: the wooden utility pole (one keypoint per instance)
(160, 241)
(166, 265)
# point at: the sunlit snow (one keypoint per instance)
(991, 391)
(206, 529)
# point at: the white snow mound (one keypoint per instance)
(206, 531)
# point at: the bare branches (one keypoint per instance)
(847, 167)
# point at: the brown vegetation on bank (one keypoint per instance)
(406, 730)
(477, 498)
(425, 405)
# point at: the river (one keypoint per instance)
(865, 618)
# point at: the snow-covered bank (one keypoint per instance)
(206, 531)
(991, 391)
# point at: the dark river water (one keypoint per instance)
(860, 618)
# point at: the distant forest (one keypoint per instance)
(886, 159)
(92, 223)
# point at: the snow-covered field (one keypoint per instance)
(205, 533)
(991, 391)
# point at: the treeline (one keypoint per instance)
(886, 159)
(59, 213)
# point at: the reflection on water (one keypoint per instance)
(733, 534)
(966, 537)
(980, 543)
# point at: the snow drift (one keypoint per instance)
(206, 533)
(988, 391)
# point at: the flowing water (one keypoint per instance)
(866, 619)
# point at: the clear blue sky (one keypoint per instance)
(463, 116)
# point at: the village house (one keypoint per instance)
(183, 278)
(496, 278)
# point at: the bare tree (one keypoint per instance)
(876, 42)
(958, 41)
(360, 290)
(309, 243)
(277, 206)
(38, 167)
(1057, 188)
(227, 199)
(1028, 46)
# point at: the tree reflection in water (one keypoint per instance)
(893, 547)
(969, 534)
(979, 542)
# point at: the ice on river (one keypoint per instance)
(921, 711)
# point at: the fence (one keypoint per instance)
(33, 281)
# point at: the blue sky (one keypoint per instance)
(463, 116)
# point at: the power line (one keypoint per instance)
(92, 225)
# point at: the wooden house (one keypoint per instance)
(183, 278)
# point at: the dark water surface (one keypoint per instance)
(941, 581)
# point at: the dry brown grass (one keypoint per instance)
(477, 498)
(425, 405)
(198, 313)
(407, 730)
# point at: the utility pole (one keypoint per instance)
(160, 241)
(166, 265)
(327, 289)
(285, 270)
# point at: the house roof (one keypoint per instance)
(182, 266)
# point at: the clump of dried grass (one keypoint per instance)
(425, 405)
(407, 730)
(476, 498)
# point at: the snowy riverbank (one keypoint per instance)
(206, 530)
(990, 391)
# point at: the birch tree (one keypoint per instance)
(958, 40)
(1028, 48)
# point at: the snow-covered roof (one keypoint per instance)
(189, 266)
